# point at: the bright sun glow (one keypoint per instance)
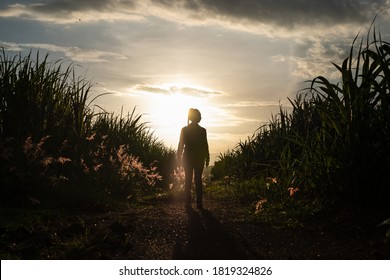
(168, 110)
(169, 113)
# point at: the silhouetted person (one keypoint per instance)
(193, 139)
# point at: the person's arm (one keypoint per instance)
(180, 146)
(207, 153)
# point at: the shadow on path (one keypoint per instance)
(208, 239)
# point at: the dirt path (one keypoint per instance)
(222, 231)
(170, 231)
(165, 229)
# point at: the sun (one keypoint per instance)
(166, 107)
(168, 112)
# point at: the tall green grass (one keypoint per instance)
(334, 144)
(39, 97)
(52, 138)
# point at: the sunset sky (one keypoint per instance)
(235, 61)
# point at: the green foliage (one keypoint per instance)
(266, 200)
(334, 144)
(52, 141)
(41, 98)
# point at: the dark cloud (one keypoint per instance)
(61, 6)
(286, 13)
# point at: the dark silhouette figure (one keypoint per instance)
(193, 140)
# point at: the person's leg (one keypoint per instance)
(188, 172)
(198, 186)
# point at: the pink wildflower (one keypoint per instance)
(91, 137)
(47, 161)
(271, 180)
(260, 205)
(85, 167)
(293, 190)
(97, 167)
(63, 160)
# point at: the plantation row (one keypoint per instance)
(55, 147)
(334, 146)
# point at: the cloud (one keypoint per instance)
(270, 17)
(72, 11)
(315, 58)
(151, 89)
(245, 104)
(289, 13)
(10, 46)
(74, 53)
(168, 89)
(250, 15)
(198, 91)
(313, 26)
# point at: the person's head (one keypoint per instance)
(194, 115)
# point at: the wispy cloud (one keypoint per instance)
(74, 53)
(168, 89)
(316, 57)
(72, 11)
(10, 46)
(245, 104)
